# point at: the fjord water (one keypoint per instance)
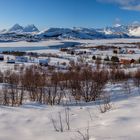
(35, 48)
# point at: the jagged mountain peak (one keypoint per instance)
(20, 29)
(30, 28)
(16, 28)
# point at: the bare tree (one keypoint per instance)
(137, 79)
(85, 136)
(67, 118)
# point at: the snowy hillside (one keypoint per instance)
(30, 28)
(74, 33)
(128, 31)
(135, 31)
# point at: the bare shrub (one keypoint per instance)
(117, 75)
(105, 105)
(67, 118)
(86, 135)
(54, 124)
(137, 79)
(61, 124)
(127, 87)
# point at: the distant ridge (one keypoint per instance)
(31, 32)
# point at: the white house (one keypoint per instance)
(21, 59)
(11, 61)
(43, 62)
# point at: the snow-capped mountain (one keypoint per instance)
(123, 30)
(20, 29)
(134, 30)
(19, 33)
(16, 28)
(74, 33)
(3, 31)
(31, 33)
(54, 32)
(117, 29)
(30, 29)
(86, 33)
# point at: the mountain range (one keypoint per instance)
(20, 29)
(32, 33)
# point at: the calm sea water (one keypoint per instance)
(24, 49)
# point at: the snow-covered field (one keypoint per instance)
(33, 121)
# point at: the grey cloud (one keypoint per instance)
(125, 4)
(134, 8)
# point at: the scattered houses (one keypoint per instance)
(131, 52)
(127, 61)
(123, 51)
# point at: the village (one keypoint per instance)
(125, 57)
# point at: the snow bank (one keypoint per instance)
(33, 121)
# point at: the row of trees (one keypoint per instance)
(51, 87)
